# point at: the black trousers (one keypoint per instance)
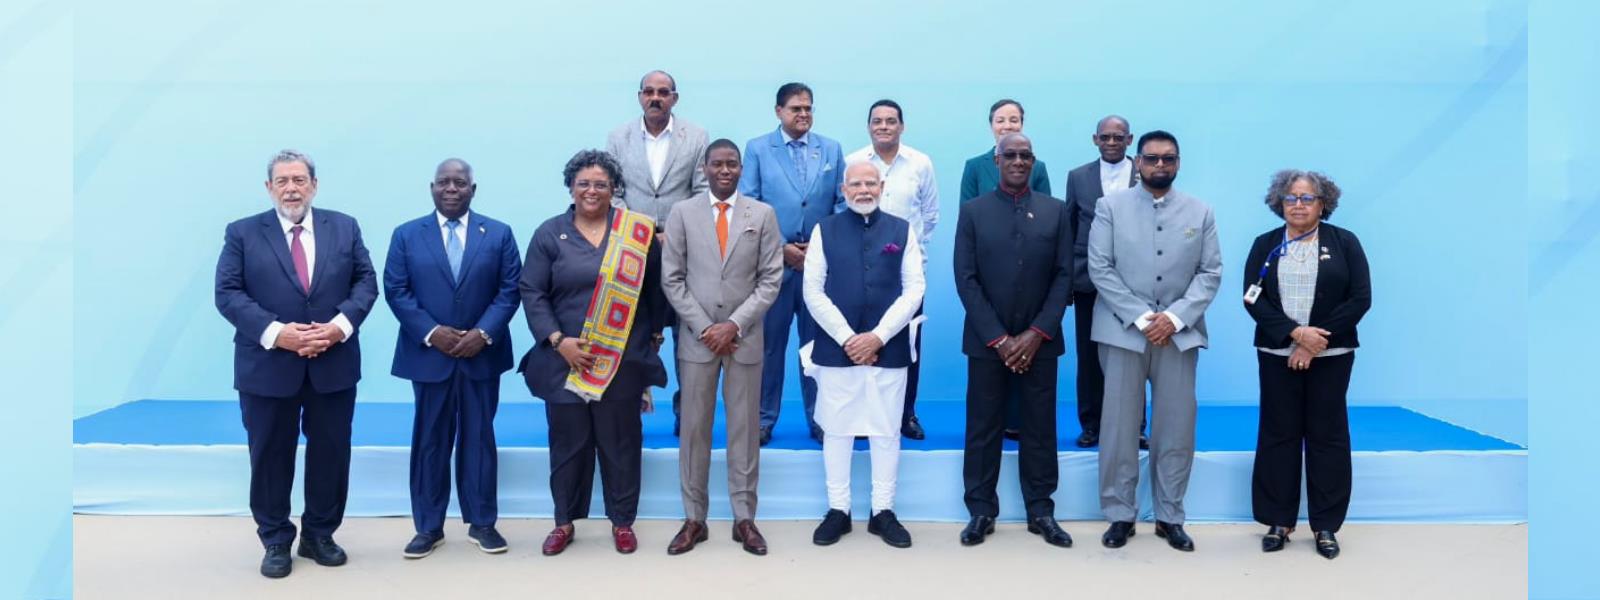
(1303, 410)
(989, 383)
(1091, 379)
(610, 428)
(454, 416)
(273, 427)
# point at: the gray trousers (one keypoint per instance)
(741, 393)
(1170, 373)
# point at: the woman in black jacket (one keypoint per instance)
(1306, 286)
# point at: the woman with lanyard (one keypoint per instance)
(1306, 286)
(591, 289)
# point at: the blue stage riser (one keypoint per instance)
(1389, 486)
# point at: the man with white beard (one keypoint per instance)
(863, 284)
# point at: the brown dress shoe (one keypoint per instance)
(745, 532)
(692, 532)
(625, 540)
(558, 540)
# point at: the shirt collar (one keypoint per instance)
(442, 220)
(664, 133)
(1116, 166)
(805, 140)
(287, 224)
(732, 200)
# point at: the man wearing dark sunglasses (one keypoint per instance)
(1112, 172)
(1154, 259)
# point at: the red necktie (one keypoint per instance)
(722, 228)
(298, 251)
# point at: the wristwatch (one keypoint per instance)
(485, 335)
(556, 339)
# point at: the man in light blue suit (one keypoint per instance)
(451, 280)
(797, 172)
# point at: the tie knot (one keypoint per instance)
(796, 143)
(453, 223)
(297, 229)
(723, 206)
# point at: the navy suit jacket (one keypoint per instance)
(256, 285)
(418, 286)
(770, 176)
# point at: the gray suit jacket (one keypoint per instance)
(1144, 258)
(683, 178)
(705, 289)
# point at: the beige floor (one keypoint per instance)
(217, 557)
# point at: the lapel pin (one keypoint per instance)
(563, 236)
(481, 229)
(1030, 215)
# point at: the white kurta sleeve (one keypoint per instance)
(912, 285)
(827, 316)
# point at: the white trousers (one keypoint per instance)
(836, 454)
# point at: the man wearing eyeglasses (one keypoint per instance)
(1154, 259)
(1013, 267)
(1112, 172)
(660, 156)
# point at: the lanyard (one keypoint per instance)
(1281, 250)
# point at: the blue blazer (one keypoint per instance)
(418, 286)
(256, 285)
(769, 175)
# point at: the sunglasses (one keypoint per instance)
(1301, 200)
(1112, 137)
(1016, 155)
(1156, 159)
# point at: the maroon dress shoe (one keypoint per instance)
(558, 540)
(624, 538)
(745, 532)
(693, 532)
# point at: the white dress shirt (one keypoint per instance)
(909, 189)
(655, 150)
(732, 201)
(308, 241)
(1116, 177)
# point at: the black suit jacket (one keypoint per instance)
(1344, 289)
(1013, 264)
(1083, 191)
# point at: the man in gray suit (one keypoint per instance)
(1154, 259)
(721, 269)
(660, 156)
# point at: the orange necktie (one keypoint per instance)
(722, 228)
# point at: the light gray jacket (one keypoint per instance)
(705, 289)
(1145, 257)
(683, 177)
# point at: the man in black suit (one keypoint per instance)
(1112, 171)
(1013, 266)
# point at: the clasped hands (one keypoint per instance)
(457, 343)
(722, 339)
(1308, 343)
(1018, 351)
(309, 340)
(1159, 331)
(862, 348)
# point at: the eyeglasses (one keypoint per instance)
(1301, 200)
(1112, 137)
(298, 180)
(1156, 159)
(598, 186)
(1016, 155)
(654, 92)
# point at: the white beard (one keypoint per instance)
(863, 209)
(292, 215)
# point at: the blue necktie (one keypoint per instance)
(452, 248)
(797, 152)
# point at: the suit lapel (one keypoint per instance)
(737, 222)
(280, 248)
(700, 224)
(637, 154)
(781, 150)
(326, 238)
(433, 240)
(475, 236)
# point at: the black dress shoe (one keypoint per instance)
(766, 435)
(1117, 535)
(816, 433)
(978, 528)
(1051, 531)
(1276, 538)
(1011, 434)
(834, 525)
(423, 544)
(912, 430)
(277, 562)
(323, 551)
(487, 539)
(1327, 545)
(1175, 536)
(1144, 442)
(885, 525)
(1089, 439)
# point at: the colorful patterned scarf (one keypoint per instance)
(615, 300)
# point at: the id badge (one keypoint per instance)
(1250, 295)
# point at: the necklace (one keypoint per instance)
(1303, 250)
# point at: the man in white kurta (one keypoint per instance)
(864, 348)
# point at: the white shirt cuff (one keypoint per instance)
(344, 325)
(427, 340)
(1177, 324)
(269, 338)
(1144, 320)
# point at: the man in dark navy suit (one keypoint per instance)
(296, 285)
(451, 280)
